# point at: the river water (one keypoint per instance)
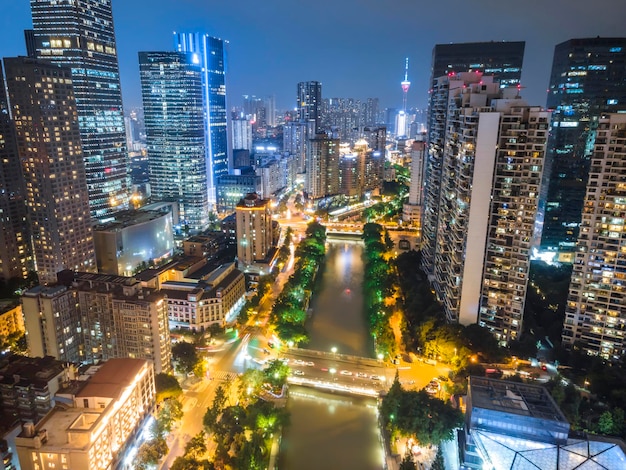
(330, 431)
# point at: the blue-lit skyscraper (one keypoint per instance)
(172, 92)
(212, 55)
(79, 34)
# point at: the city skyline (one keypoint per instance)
(360, 55)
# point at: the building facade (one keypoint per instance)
(588, 79)
(254, 229)
(232, 188)
(172, 92)
(322, 167)
(595, 314)
(132, 241)
(214, 301)
(241, 134)
(43, 104)
(501, 59)
(488, 166)
(15, 256)
(96, 317)
(212, 55)
(96, 430)
(80, 35)
(309, 103)
(412, 210)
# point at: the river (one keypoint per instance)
(330, 431)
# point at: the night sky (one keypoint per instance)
(356, 48)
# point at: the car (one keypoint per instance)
(298, 372)
(345, 372)
(361, 375)
(310, 363)
(298, 362)
(375, 377)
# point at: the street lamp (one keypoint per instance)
(333, 350)
(380, 356)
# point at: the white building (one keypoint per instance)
(412, 210)
(241, 133)
(254, 230)
(94, 432)
(484, 183)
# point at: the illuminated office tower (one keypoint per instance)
(322, 167)
(595, 314)
(502, 59)
(309, 103)
(486, 163)
(171, 88)
(588, 79)
(15, 258)
(48, 141)
(79, 34)
(212, 56)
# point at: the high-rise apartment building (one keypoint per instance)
(95, 317)
(309, 103)
(412, 209)
(48, 140)
(486, 161)
(241, 133)
(595, 315)
(172, 92)
(80, 35)
(343, 116)
(254, 229)
(15, 256)
(212, 55)
(296, 136)
(322, 166)
(588, 79)
(502, 59)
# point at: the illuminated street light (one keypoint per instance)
(333, 350)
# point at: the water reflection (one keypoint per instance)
(330, 431)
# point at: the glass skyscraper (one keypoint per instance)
(211, 53)
(588, 79)
(80, 35)
(171, 87)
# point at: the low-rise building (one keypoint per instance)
(28, 385)
(216, 299)
(11, 319)
(514, 426)
(132, 241)
(95, 431)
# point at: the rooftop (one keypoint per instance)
(125, 219)
(112, 377)
(513, 397)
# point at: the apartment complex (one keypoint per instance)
(95, 317)
(43, 105)
(485, 164)
(595, 315)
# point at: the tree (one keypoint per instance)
(150, 453)
(196, 447)
(438, 463)
(167, 386)
(407, 462)
(185, 356)
(605, 423)
(170, 411)
(215, 410)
